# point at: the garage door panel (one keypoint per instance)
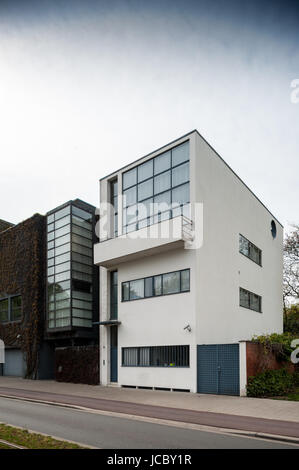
(218, 369)
(14, 363)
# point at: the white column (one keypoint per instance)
(243, 368)
(103, 333)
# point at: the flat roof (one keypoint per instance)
(176, 140)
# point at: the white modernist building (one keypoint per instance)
(190, 268)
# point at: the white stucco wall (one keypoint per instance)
(230, 209)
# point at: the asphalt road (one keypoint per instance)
(110, 432)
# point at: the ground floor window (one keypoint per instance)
(156, 356)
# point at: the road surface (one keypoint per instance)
(110, 432)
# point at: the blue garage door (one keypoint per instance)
(218, 369)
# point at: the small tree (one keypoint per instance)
(291, 267)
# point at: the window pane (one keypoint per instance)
(129, 178)
(50, 227)
(171, 283)
(255, 302)
(180, 195)
(137, 289)
(51, 236)
(63, 258)
(254, 253)
(82, 296)
(82, 322)
(82, 313)
(157, 285)
(148, 285)
(81, 213)
(63, 322)
(129, 197)
(50, 218)
(162, 202)
(162, 182)
(125, 291)
(81, 276)
(4, 310)
(61, 222)
(64, 295)
(81, 240)
(185, 280)
(62, 249)
(180, 174)
(62, 231)
(62, 267)
(63, 276)
(145, 190)
(180, 154)
(145, 170)
(130, 215)
(82, 250)
(144, 357)
(243, 246)
(244, 298)
(82, 231)
(62, 212)
(63, 240)
(82, 267)
(145, 208)
(65, 303)
(81, 223)
(162, 162)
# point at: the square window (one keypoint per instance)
(137, 289)
(125, 291)
(180, 174)
(145, 171)
(171, 283)
(180, 154)
(145, 190)
(129, 197)
(129, 178)
(162, 163)
(162, 182)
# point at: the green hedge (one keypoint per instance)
(278, 344)
(272, 383)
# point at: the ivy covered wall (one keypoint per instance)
(22, 271)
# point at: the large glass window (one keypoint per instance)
(250, 300)
(156, 356)
(113, 295)
(163, 284)
(70, 236)
(166, 178)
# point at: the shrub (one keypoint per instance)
(291, 319)
(272, 383)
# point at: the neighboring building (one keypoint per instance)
(219, 250)
(49, 295)
(22, 296)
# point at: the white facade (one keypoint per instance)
(222, 208)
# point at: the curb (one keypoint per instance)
(237, 432)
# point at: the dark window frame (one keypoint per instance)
(153, 284)
(135, 225)
(250, 244)
(9, 298)
(249, 307)
(180, 354)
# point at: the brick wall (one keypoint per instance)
(258, 360)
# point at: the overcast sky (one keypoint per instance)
(87, 87)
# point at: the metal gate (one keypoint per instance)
(218, 369)
(14, 363)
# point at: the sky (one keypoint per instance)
(87, 87)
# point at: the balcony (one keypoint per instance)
(148, 241)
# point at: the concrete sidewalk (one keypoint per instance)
(240, 406)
